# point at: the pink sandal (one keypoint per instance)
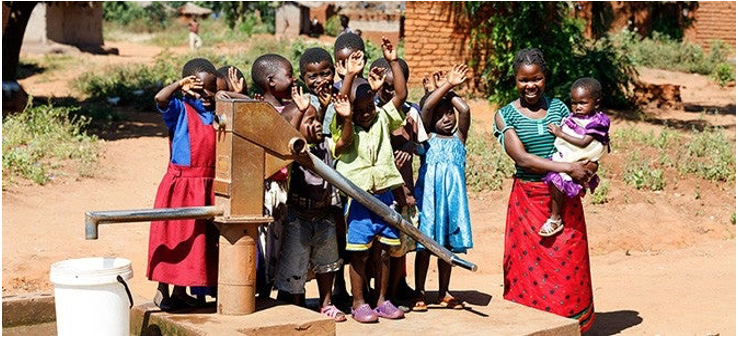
(333, 312)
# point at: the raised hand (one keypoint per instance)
(237, 84)
(324, 95)
(376, 78)
(457, 75)
(438, 75)
(342, 106)
(355, 62)
(427, 85)
(388, 51)
(302, 101)
(191, 83)
(340, 67)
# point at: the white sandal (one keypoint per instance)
(551, 227)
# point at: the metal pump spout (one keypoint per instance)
(94, 218)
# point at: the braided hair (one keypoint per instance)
(265, 65)
(529, 56)
(198, 65)
(591, 85)
(382, 63)
(314, 55)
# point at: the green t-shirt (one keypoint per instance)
(369, 162)
(536, 138)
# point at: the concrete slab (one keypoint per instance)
(481, 317)
(272, 318)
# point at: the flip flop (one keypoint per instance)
(451, 303)
(420, 306)
(333, 312)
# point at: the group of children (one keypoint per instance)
(361, 125)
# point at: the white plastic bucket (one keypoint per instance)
(90, 297)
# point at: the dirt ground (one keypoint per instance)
(663, 263)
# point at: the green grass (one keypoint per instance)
(487, 165)
(37, 142)
(710, 155)
(600, 196)
(643, 175)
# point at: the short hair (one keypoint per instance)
(445, 100)
(382, 63)
(264, 66)
(361, 87)
(348, 40)
(529, 56)
(198, 65)
(314, 55)
(591, 85)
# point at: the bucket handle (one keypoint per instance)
(128, 292)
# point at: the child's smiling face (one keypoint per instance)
(363, 107)
(318, 75)
(445, 118)
(282, 81)
(311, 127)
(210, 87)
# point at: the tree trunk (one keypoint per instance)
(14, 27)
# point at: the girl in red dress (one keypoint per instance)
(185, 252)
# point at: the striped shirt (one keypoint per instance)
(536, 138)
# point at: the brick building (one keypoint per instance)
(437, 36)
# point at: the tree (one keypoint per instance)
(14, 27)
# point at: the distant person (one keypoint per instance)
(195, 41)
(345, 24)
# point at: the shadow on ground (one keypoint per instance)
(611, 323)
(112, 122)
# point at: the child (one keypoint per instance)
(405, 141)
(184, 252)
(371, 167)
(317, 72)
(344, 46)
(441, 189)
(574, 143)
(309, 235)
(230, 79)
(272, 73)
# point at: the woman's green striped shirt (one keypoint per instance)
(534, 135)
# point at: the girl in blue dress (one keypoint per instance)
(441, 191)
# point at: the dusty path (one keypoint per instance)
(663, 263)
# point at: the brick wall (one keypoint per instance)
(713, 21)
(434, 38)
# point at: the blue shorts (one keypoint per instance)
(363, 225)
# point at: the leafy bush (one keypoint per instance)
(38, 140)
(724, 74)
(333, 26)
(709, 155)
(642, 176)
(487, 165)
(500, 29)
(135, 17)
(661, 52)
(133, 84)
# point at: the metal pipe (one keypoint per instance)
(313, 163)
(94, 218)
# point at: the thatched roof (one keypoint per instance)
(193, 9)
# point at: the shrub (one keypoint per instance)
(724, 74)
(135, 17)
(38, 140)
(487, 165)
(333, 26)
(709, 155)
(500, 29)
(641, 175)
(659, 51)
